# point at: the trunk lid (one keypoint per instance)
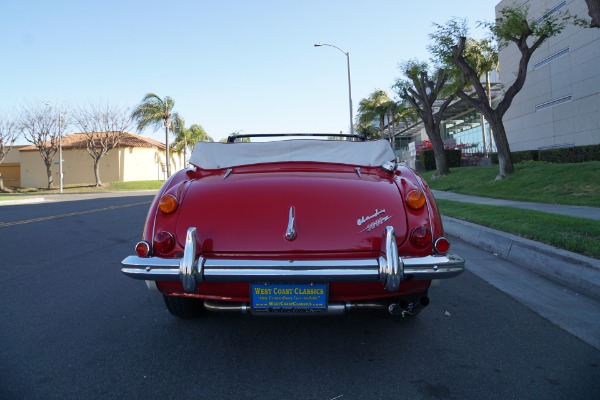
(333, 212)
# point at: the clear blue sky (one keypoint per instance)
(229, 65)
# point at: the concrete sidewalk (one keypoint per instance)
(573, 211)
(569, 269)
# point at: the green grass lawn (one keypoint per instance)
(573, 184)
(574, 234)
(136, 185)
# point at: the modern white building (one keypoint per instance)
(559, 105)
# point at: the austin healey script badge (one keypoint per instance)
(373, 221)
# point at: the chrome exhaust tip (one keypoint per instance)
(405, 308)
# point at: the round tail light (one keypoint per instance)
(420, 236)
(442, 245)
(164, 242)
(142, 249)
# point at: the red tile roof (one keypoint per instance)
(78, 141)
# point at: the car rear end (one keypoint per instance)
(294, 237)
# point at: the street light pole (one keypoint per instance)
(60, 160)
(349, 82)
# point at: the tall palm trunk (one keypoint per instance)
(167, 149)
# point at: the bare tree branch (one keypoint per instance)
(104, 126)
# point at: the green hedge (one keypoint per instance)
(571, 154)
(428, 159)
(577, 154)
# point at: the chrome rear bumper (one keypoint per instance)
(388, 268)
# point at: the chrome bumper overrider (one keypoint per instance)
(388, 268)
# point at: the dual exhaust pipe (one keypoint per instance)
(403, 308)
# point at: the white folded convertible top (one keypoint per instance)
(208, 155)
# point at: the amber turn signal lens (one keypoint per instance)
(415, 199)
(168, 204)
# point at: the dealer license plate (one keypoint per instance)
(286, 297)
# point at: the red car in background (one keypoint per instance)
(298, 226)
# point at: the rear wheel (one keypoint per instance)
(183, 307)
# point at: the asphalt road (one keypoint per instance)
(72, 326)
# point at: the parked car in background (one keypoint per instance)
(293, 226)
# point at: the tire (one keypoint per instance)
(183, 307)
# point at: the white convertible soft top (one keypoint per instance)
(208, 155)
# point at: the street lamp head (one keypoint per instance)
(318, 45)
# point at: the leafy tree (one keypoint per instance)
(9, 132)
(156, 112)
(421, 87)
(185, 138)
(237, 133)
(42, 126)
(376, 106)
(513, 26)
(401, 113)
(104, 126)
(483, 56)
(367, 130)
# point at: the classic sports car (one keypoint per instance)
(293, 226)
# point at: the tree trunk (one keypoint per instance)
(1, 183)
(441, 162)
(437, 145)
(488, 91)
(594, 12)
(49, 174)
(167, 151)
(505, 164)
(97, 172)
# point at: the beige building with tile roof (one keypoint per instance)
(137, 158)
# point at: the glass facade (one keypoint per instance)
(466, 130)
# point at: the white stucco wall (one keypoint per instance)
(122, 164)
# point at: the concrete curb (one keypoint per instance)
(22, 201)
(573, 270)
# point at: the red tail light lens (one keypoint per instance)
(164, 242)
(420, 236)
(442, 245)
(168, 204)
(142, 249)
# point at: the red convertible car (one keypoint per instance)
(297, 226)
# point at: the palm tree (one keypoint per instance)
(376, 106)
(367, 130)
(156, 112)
(185, 138)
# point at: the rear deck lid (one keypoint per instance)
(328, 212)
